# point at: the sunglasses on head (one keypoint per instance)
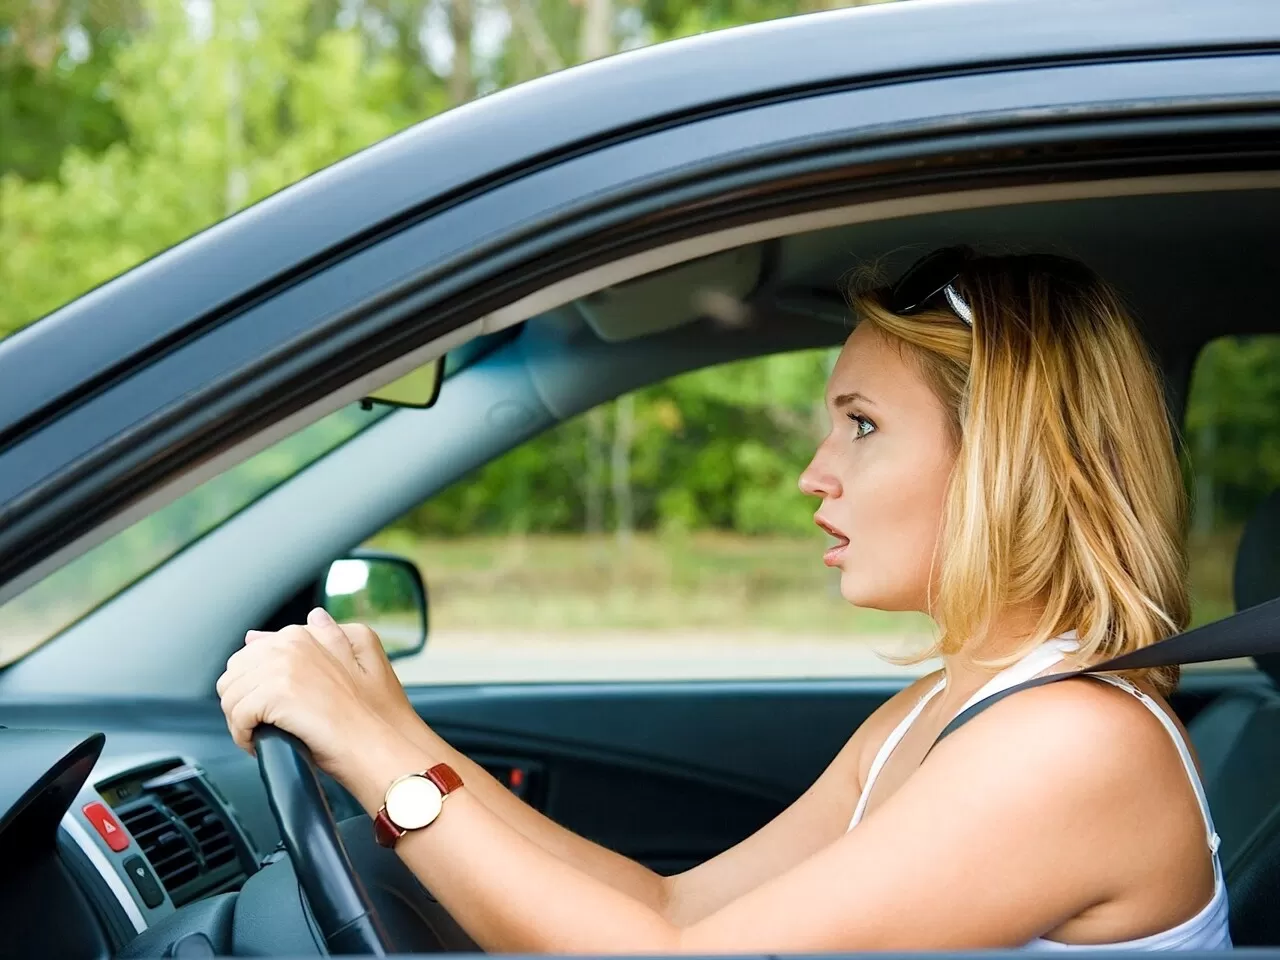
(930, 281)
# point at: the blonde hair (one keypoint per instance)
(1066, 493)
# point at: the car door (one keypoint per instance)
(669, 773)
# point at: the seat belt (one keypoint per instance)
(1243, 634)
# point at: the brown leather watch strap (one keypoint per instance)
(446, 779)
(385, 832)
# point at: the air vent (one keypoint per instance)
(186, 834)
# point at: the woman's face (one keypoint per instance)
(881, 472)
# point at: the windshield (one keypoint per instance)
(63, 597)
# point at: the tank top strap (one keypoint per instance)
(1188, 762)
(1048, 654)
(886, 748)
(1034, 663)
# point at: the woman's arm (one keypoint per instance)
(1019, 822)
(819, 816)
(1012, 827)
(814, 820)
(629, 877)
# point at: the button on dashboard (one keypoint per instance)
(107, 826)
(145, 883)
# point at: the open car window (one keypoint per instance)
(660, 536)
(60, 599)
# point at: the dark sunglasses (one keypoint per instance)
(932, 279)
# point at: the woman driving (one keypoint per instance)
(1000, 458)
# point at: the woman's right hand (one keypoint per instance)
(360, 652)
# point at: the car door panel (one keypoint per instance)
(669, 822)
(667, 773)
(673, 773)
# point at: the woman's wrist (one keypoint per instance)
(377, 756)
(416, 730)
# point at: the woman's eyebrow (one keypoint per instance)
(845, 399)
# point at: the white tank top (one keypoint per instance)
(1207, 930)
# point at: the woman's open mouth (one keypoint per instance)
(835, 553)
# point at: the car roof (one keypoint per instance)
(474, 146)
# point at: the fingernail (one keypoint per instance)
(320, 617)
(252, 635)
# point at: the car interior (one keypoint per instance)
(667, 772)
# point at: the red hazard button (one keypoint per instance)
(107, 826)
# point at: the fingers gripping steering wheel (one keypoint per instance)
(341, 906)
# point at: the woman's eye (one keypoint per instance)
(861, 426)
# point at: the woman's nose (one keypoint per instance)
(817, 481)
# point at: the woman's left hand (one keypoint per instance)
(291, 679)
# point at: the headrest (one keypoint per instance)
(1257, 576)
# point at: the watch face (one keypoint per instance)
(413, 802)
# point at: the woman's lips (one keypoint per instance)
(834, 554)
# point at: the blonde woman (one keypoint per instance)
(1000, 458)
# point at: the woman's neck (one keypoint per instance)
(964, 672)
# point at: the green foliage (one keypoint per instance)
(55, 95)
(213, 121)
(1233, 425)
(716, 449)
(32, 147)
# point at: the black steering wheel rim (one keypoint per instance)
(342, 908)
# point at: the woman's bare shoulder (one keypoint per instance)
(1094, 735)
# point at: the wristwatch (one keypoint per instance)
(413, 802)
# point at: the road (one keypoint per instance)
(465, 657)
(480, 657)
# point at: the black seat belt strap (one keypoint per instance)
(1244, 634)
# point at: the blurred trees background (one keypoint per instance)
(127, 125)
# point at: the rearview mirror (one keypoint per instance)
(418, 389)
(381, 590)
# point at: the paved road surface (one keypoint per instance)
(459, 657)
(467, 657)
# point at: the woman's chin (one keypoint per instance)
(859, 590)
(853, 588)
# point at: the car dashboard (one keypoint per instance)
(123, 838)
(170, 836)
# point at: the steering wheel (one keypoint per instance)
(345, 914)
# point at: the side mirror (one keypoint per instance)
(382, 590)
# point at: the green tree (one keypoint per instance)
(56, 60)
(217, 114)
(1233, 429)
(717, 449)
